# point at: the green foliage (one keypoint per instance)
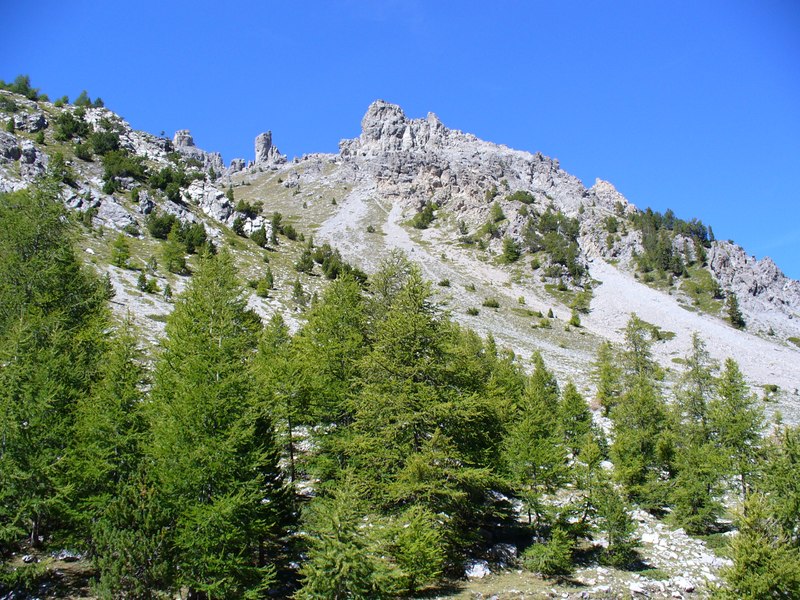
(103, 142)
(120, 251)
(608, 377)
(120, 164)
(69, 125)
(737, 421)
(521, 196)
(173, 254)
(732, 309)
(250, 211)
(82, 152)
(552, 558)
(496, 213)
(511, 250)
(641, 449)
(8, 105)
(10, 126)
(259, 236)
(417, 546)
(130, 544)
(574, 418)
(424, 218)
(765, 563)
(52, 317)
(159, 224)
(491, 303)
(21, 85)
(557, 235)
(212, 448)
(59, 170)
(83, 99)
(343, 561)
(304, 264)
(617, 524)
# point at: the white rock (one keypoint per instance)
(477, 569)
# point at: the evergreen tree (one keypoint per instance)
(781, 481)
(52, 317)
(608, 376)
(574, 417)
(698, 462)
(120, 251)
(330, 347)
(342, 559)
(130, 544)
(615, 521)
(534, 446)
(765, 563)
(732, 309)
(213, 452)
(737, 422)
(109, 428)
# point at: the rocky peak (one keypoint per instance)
(266, 153)
(385, 128)
(183, 139)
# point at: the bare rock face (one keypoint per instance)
(414, 160)
(237, 164)
(184, 144)
(30, 122)
(760, 285)
(266, 153)
(9, 147)
(183, 139)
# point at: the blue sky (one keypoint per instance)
(693, 106)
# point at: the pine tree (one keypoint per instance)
(213, 452)
(330, 346)
(781, 481)
(342, 559)
(617, 524)
(534, 446)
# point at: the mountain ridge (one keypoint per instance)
(388, 174)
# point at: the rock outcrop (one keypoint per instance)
(209, 161)
(266, 153)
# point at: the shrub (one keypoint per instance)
(160, 224)
(491, 303)
(497, 214)
(444, 283)
(553, 558)
(83, 152)
(103, 142)
(259, 236)
(424, 218)
(472, 311)
(521, 196)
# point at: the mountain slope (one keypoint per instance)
(481, 197)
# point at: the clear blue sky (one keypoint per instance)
(689, 105)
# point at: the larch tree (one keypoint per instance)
(52, 319)
(214, 456)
